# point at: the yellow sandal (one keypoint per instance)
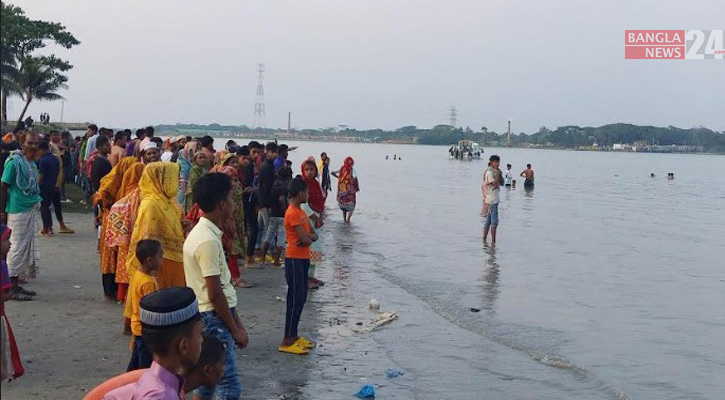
(294, 348)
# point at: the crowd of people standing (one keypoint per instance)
(176, 213)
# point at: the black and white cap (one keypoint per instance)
(168, 307)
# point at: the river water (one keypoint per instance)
(605, 283)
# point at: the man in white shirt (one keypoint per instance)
(207, 273)
(91, 145)
(492, 183)
(507, 177)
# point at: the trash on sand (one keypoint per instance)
(475, 309)
(374, 304)
(393, 373)
(366, 392)
(359, 324)
(382, 318)
(77, 286)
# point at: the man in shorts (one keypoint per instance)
(492, 183)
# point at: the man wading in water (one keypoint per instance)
(528, 175)
(492, 180)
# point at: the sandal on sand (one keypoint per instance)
(241, 283)
(45, 234)
(24, 291)
(21, 297)
(312, 286)
(293, 349)
(66, 230)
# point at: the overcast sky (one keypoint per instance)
(381, 63)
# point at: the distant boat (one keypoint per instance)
(465, 150)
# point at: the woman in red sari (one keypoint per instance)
(347, 188)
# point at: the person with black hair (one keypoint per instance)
(92, 135)
(48, 173)
(171, 327)
(492, 181)
(528, 175)
(149, 131)
(281, 160)
(275, 231)
(264, 191)
(132, 147)
(207, 147)
(101, 165)
(118, 151)
(207, 273)
(300, 237)
(150, 256)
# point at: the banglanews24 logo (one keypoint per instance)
(674, 44)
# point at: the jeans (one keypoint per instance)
(250, 218)
(230, 386)
(492, 216)
(141, 357)
(263, 222)
(275, 232)
(296, 271)
(50, 194)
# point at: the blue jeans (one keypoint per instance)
(492, 216)
(230, 386)
(141, 357)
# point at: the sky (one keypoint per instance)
(380, 63)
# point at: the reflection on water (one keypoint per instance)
(582, 296)
(490, 286)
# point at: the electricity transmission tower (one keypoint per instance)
(452, 116)
(259, 114)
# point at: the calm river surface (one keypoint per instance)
(605, 284)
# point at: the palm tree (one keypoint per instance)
(39, 78)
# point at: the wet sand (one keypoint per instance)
(70, 337)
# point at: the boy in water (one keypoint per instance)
(507, 176)
(300, 237)
(150, 255)
(492, 184)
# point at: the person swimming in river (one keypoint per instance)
(528, 175)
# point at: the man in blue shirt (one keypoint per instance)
(48, 170)
(282, 152)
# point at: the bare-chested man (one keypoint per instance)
(528, 175)
(119, 148)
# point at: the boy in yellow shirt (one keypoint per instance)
(150, 255)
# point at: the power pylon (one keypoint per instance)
(259, 112)
(452, 116)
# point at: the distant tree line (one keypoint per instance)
(570, 136)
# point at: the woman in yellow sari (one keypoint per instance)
(159, 218)
(106, 195)
(121, 218)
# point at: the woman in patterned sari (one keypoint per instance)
(347, 188)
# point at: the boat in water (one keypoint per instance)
(465, 150)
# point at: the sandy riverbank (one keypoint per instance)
(70, 338)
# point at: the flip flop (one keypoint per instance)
(21, 297)
(24, 291)
(305, 344)
(293, 349)
(242, 284)
(67, 230)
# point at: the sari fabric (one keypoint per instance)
(236, 229)
(347, 186)
(186, 163)
(317, 198)
(159, 218)
(111, 183)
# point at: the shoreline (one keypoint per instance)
(71, 339)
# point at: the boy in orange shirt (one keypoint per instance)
(296, 266)
(150, 255)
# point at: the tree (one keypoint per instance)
(39, 78)
(19, 37)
